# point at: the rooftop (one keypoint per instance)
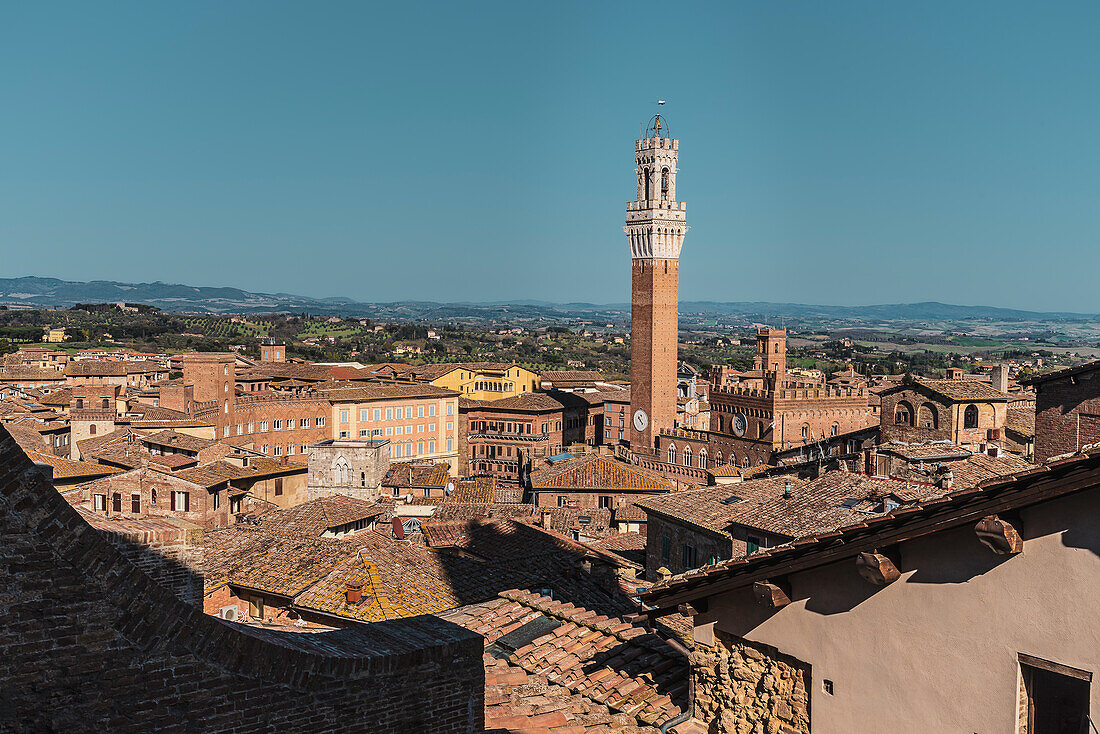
(596, 472)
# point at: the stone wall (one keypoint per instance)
(364, 463)
(90, 642)
(705, 544)
(745, 688)
(1067, 414)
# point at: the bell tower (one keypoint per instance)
(655, 227)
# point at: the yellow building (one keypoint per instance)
(480, 380)
(55, 336)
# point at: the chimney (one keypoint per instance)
(546, 519)
(994, 450)
(353, 592)
(787, 488)
(1000, 378)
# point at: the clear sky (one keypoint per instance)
(831, 152)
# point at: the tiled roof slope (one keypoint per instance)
(410, 474)
(313, 518)
(628, 679)
(403, 579)
(960, 505)
(593, 471)
(962, 390)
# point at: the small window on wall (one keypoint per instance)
(135, 504)
(100, 502)
(116, 502)
(688, 556)
(666, 548)
(181, 501)
(278, 486)
(970, 417)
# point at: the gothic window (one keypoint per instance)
(646, 174)
(805, 431)
(342, 471)
(970, 417)
(703, 458)
(672, 454)
(687, 456)
(664, 183)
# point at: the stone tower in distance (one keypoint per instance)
(655, 226)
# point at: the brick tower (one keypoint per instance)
(655, 226)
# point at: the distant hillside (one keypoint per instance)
(35, 292)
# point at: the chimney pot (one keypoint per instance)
(353, 592)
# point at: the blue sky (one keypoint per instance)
(831, 152)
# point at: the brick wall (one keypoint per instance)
(171, 555)
(654, 334)
(155, 490)
(91, 643)
(1067, 414)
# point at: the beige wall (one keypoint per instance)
(936, 651)
(414, 430)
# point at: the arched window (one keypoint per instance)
(776, 350)
(91, 429)
(903, 414)
(648, 181)
(687, 456)
(703, 458)
(745, 462)
(664, 183)
(671, 453)
(341, 471)
(835, 429)
(927, 416)
(970, 416)
(718, 459)
(805, 431)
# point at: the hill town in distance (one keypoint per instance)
(269, 513)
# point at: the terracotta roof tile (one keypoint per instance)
(596, 472)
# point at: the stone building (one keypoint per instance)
(119, 652)
(350, 467)
(972, 612)
(1067, 410)
(656, 224)
(503, 437)
(272, 350)
(965, 412)
(766, 411)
